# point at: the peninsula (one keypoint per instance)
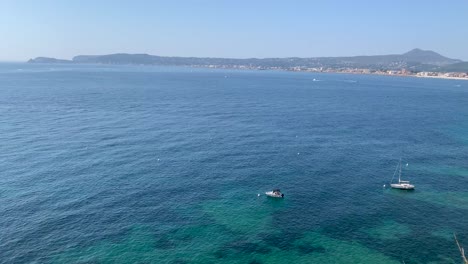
(417, 62)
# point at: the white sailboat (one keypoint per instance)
(402, 185)
(276, 193)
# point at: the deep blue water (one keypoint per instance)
(128, 164)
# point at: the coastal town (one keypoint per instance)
(402, 72)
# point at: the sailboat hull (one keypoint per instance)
(402, 186)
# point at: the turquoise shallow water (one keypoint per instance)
(127, 164)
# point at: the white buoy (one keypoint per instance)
(384, 185)
(298, 153)
(258, 194)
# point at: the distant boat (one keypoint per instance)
(402, 185)
(276, 193)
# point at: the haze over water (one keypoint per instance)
(128, 164)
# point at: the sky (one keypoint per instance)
(232, 29)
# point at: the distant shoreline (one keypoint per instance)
(403, 75)
(414, 76)
(417, 75)
(413, 62)
(347, 71)
(440, 77)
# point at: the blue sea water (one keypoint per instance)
(130, 164)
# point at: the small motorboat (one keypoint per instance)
(276, 193)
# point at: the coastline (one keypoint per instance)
(382, 74)
(397, 73)
(440, 77)
(401, 75)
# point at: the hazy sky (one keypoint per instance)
(231, 28)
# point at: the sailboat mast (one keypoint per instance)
(399, 175)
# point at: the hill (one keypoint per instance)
(48, 60)
(415, 60)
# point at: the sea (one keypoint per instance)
(152, 164)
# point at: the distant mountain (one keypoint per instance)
(120, 58)
(415, 60)
(415, 57)
(48, 60)
(428, 57)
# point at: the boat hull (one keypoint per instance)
(402, 186)
(271, 194)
